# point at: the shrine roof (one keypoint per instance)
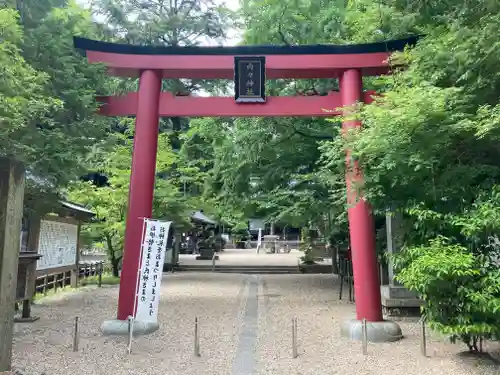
(78, 208)
(201, 217)
(318, 49)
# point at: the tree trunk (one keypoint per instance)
(334, 251)
(115, 267)
(115, 261)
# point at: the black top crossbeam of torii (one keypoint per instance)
(84, 44)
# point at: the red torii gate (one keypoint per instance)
(150, 64)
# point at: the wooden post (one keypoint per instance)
(76, 335)
(11, 213)
(34, 222)
(294, 338)
(196, 338)
(423, 338)
(74, 277)
(75, 272)
(26, 313)
(45, 284)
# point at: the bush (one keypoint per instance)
(461, 290)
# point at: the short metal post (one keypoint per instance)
(294, 338)
(76, 335)
(99, 276)
(130, 333)
(423, 339)
(196, 338)
(364, 337)
(213, 262)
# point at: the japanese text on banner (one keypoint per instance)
(154, 245)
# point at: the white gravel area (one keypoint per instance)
(244, 319)
(45, 346)
(313, 300)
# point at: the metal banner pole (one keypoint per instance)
(364, 336)
(144, 226)
(130, 333)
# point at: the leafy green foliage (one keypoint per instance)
(75, 127)
(159, 22)
(462, 291)
(48, 95)
(51, 106)
(23, 102)
(168, 23)
(110, 202)
(261, 167)
(428, 148)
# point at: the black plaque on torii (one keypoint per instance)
(250, 79)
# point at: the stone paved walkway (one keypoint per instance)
(245, 329)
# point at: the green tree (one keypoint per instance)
(167, 23)
(110, 202)
(428, 147)
(462, 292)
(160, 22)
(24, 102)
(56, 125)
(21, 94)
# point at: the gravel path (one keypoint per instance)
(218, 301)
(245, 329)
(322, 350)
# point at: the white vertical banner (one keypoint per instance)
(154, 244)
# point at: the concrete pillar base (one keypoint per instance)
(31, 319)
(385, 331)
(117, 327)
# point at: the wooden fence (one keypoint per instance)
(56, 280)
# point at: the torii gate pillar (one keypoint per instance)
(142, 183)
(362, 237)
(140, 202)
(361, 225)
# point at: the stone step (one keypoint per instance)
(241, 269)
